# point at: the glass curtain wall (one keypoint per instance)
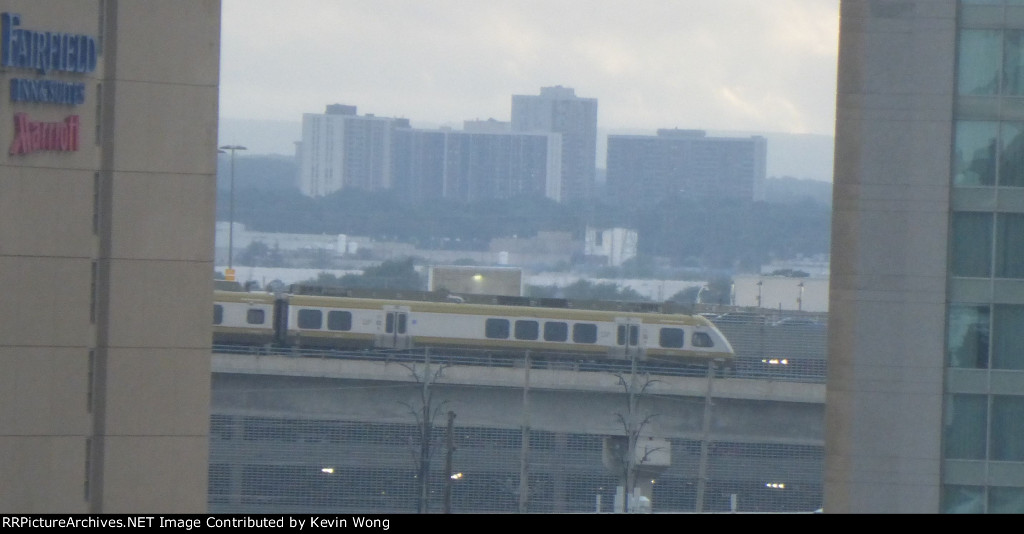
(983, 438)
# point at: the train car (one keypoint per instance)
(348, 322)
(243, 318)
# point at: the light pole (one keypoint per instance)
(230, 275)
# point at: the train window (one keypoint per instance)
(701, 339)
(671, 338)
(255, 316)
(218, 314)
(584, 333)
(310, 319)
(496, 328)
(556, 331)
(527, 330)
(634, 335)
(339, 320)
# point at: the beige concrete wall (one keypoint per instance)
(889, 235)
(153, 100)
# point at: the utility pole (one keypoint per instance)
(425, 436)
(524, 463)
(705, 431)
(448, 464)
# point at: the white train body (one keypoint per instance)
(347, 322)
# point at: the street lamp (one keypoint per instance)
(230, 275)
(759, 284)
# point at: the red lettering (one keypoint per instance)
(31, 136)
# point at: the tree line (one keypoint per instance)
(704, 234)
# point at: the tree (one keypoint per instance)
(789, 273)
(686, 296)
(391, 274)
(625, 452)
(587, 290)
(424, 413)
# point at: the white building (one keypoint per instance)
(615, 244)
(341, 149)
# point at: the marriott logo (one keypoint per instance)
(33, 136)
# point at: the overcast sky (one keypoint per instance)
(743, 65)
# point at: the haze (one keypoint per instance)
(719, 65)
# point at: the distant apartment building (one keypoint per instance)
(495, 165)
(643, 169)
(418, 164)
(487, 126)
(558, 110)
(470, 166)
(341, 149)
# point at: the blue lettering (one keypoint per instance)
(47, 91)
(8, 23)
(83, 58)
(40, 57)
(24, 48)
(55, 51)
(45, 51)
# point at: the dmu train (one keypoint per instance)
(346, 323)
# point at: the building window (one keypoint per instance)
(1009, 245)
(1007, 428)
(1013, 62)
(1008, 337)
(1011, 154)
(971, 244)
(963, 500)
(979, 54)
(974, 153)
(968, 336)
(1005, 500)
(987, 152)
(964, 427)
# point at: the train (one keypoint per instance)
(294, 319)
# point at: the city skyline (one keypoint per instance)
(736, 65)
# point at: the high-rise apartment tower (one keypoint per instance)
(558, 110)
